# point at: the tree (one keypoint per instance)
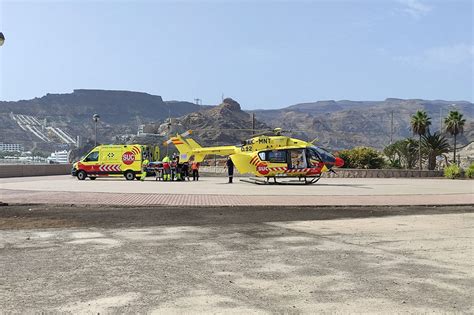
(362, 157)
(420, 124)
(434, 145)
(454, 125)
(402, 153)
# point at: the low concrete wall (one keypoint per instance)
(20, 170)
(344, 173)
(63, 169)
(385, 173)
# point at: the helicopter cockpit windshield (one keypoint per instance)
(316, 154)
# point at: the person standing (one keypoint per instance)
(185, 169)
(179, 170)
(195, 169)
(144, 168)
(230, 169)
(166, 168)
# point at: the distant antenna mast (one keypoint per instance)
(168, 127)
(391, 129)
(253, 123)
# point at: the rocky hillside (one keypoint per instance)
(344, 124)
(224, 124)
(121, 112)
(113, 106)
(337, 124)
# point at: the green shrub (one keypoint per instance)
(470, 171)
(362, 157)
(452, 171)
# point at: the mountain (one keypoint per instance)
(112, 106)
(345, 124)
(121, 112)
(55, 120)
(224, 124)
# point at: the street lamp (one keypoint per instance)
(2, 38)
(96, 118)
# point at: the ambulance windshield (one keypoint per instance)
(92, 157)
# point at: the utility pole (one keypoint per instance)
(253, 123)
(440, 119)
(391, 128)
(96, 118)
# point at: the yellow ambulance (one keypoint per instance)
(115, 160)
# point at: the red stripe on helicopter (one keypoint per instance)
(298, 170)
(254, 160)
(278, 168)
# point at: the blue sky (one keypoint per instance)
(264, 54)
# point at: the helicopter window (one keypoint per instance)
(262, 156)
(297, 159)
(278, 156)
(324, 155)
(313, 157)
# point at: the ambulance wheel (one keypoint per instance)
(129, 175)
(81, 175)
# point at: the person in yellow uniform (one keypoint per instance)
(144, 166)
(166, 168)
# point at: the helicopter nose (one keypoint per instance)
(339, 162)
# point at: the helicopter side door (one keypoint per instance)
(296, 159)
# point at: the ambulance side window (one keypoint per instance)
(92, 157)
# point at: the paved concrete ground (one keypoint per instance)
(236, 260)
(214, 191)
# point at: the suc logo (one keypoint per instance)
(262, 168)
(128, 158)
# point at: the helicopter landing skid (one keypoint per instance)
(274, 181)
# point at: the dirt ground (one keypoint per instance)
(236, 259)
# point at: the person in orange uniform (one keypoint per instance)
(195, 169)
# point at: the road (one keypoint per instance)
(89, 259)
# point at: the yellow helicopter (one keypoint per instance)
(269, 155)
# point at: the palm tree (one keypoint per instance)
(420, 125)
(435, 144)
(454, 125)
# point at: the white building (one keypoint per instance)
(11, 147)
(59, 157)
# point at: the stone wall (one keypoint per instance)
(344, 173)
(64, 169)
(385, 173)
(20, 170)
